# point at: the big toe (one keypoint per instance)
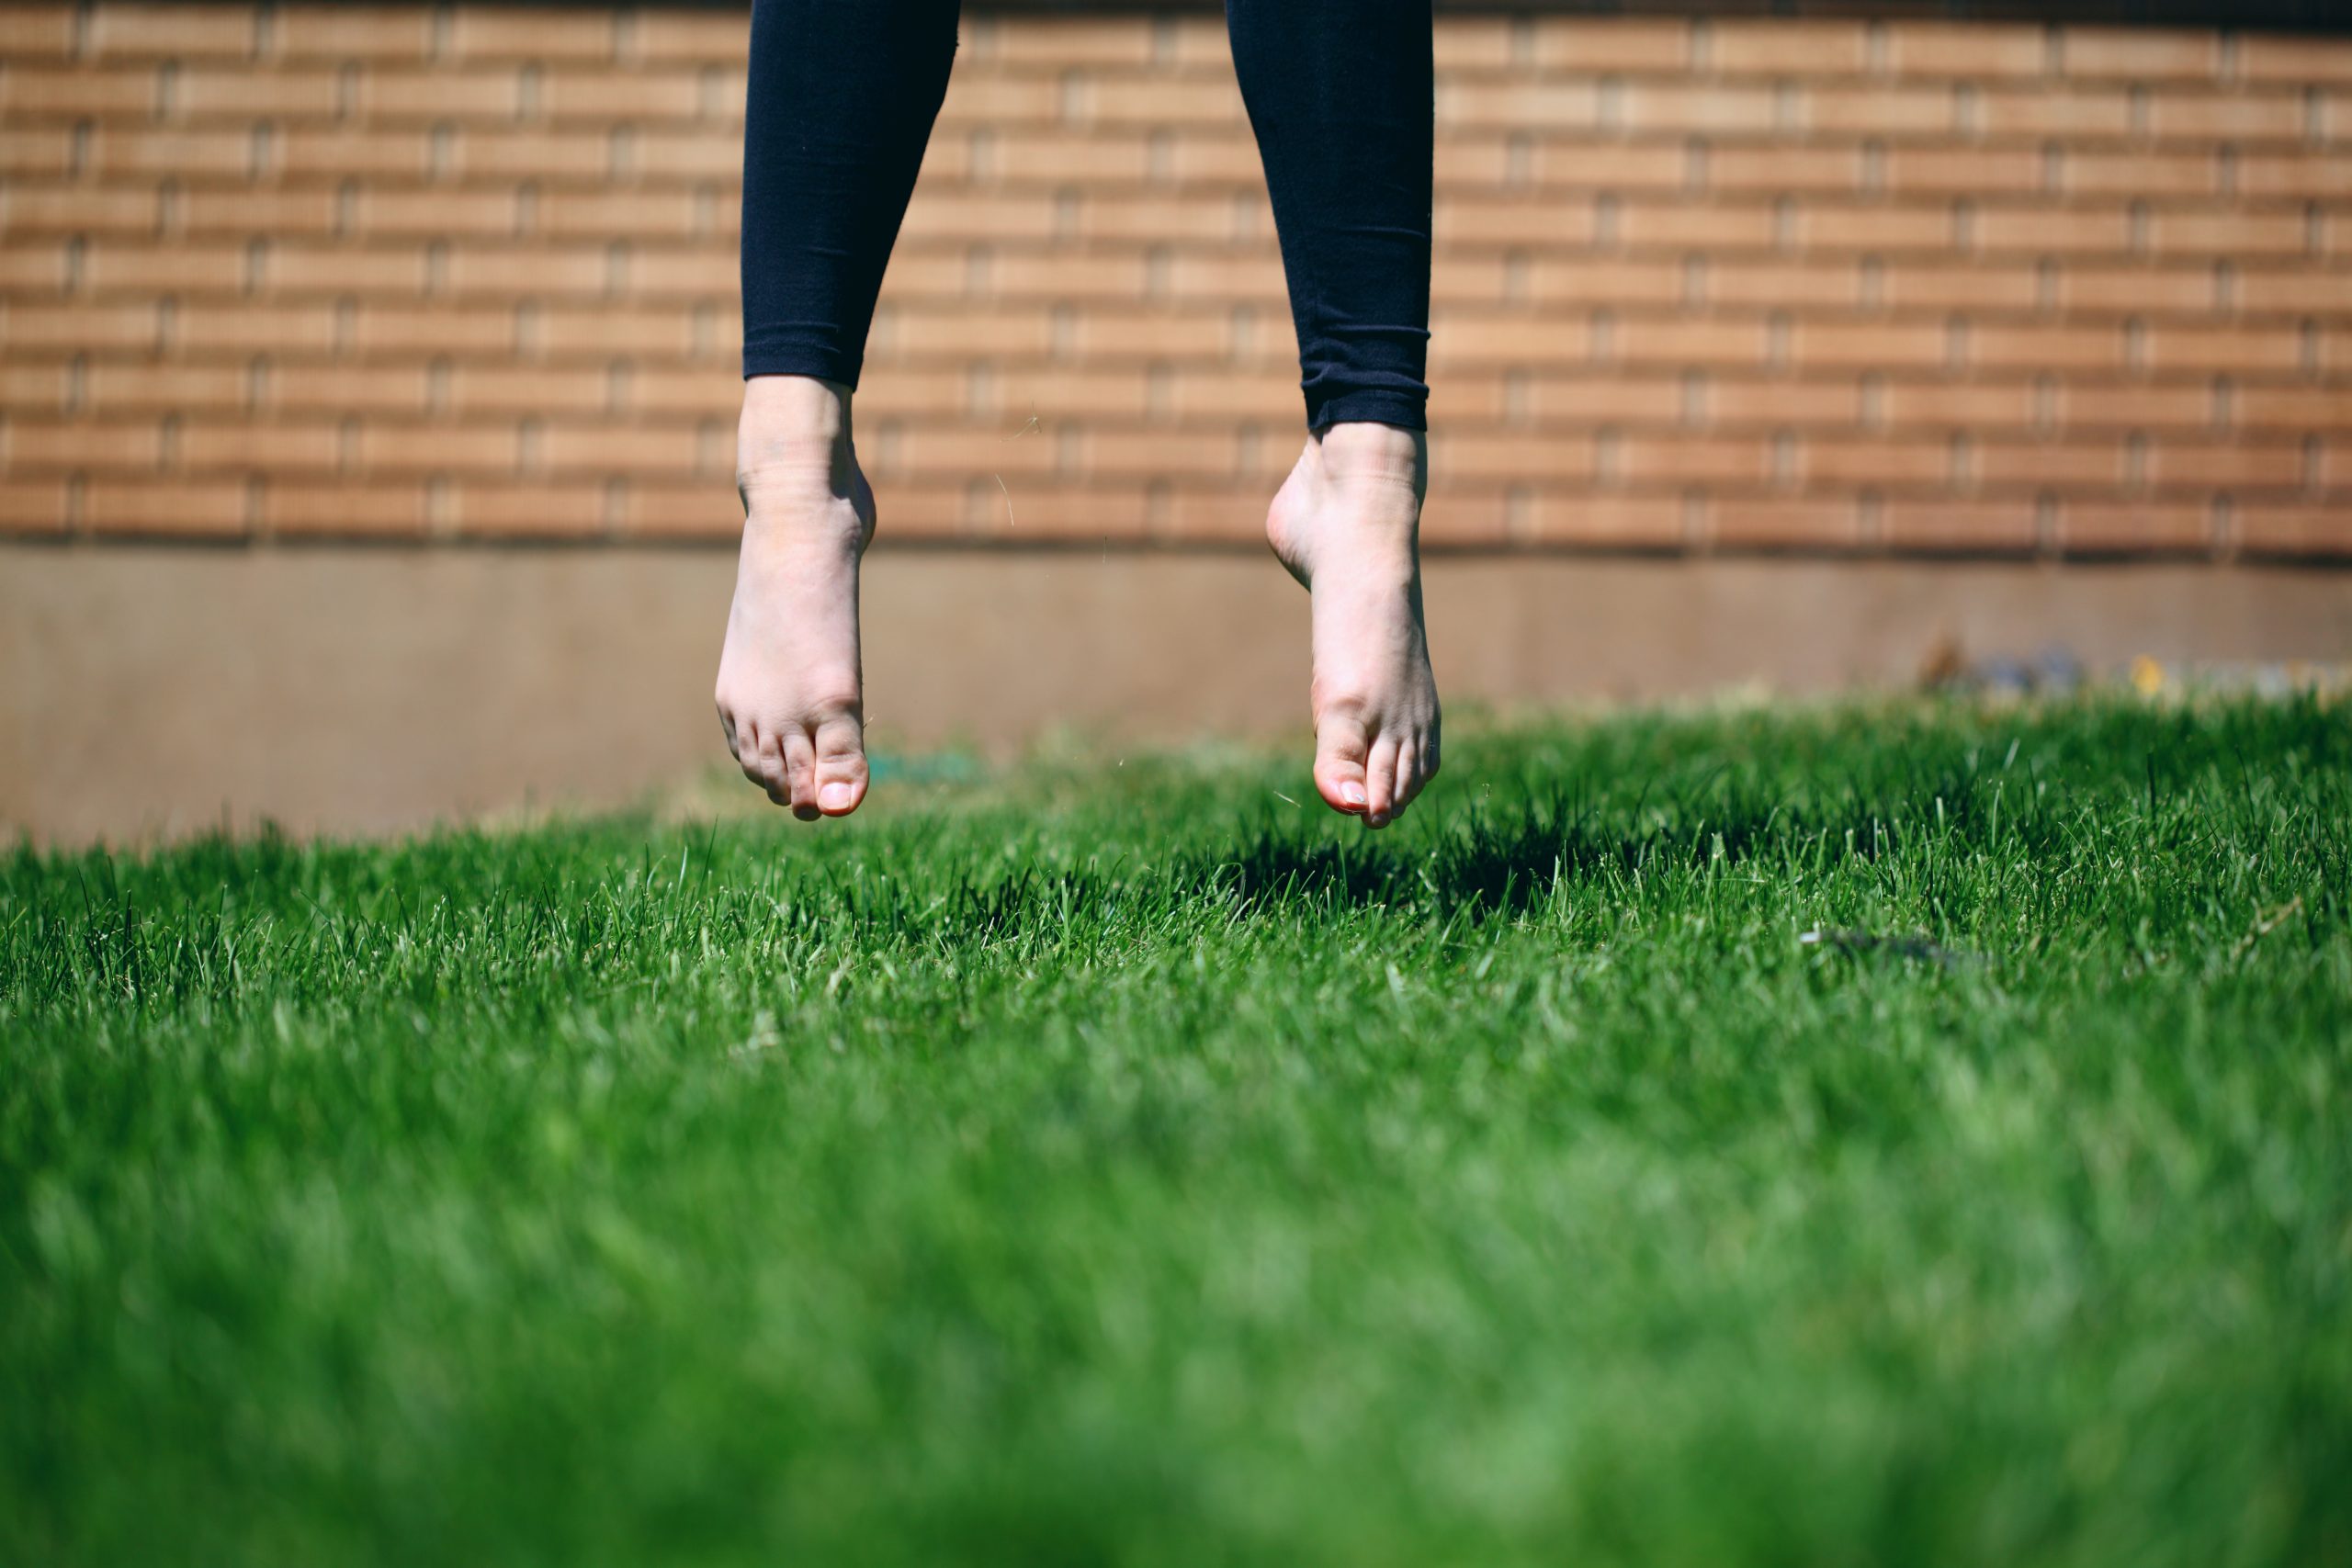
(841, 765)
(1342, 750)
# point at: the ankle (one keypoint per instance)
(794, 425)
(798, 405)
(799, 528)
(1367, 451)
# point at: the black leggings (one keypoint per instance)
(843, 96)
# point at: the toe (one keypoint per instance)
(743, 739)
(772, 773)
(1409, 777)
(800, 774)
(841, 765)
(1341, 748)
(1380, 783)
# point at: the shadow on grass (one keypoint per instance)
(1509, 864)
(1480, 862)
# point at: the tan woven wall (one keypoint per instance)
(415, 271)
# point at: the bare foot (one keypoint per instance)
(1347, 523)
(790, 692)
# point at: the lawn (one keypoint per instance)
(1122, 1163)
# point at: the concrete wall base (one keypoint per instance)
(153, 692)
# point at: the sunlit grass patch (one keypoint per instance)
(1887, 1132)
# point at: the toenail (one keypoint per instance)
(834, 796)
(1351, 793)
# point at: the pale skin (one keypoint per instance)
(791, 698)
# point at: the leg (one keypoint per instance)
(843, 96)
(1340, 94)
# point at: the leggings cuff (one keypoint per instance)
(1375, 406)
(814, 363)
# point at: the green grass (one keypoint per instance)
(1125, 1165)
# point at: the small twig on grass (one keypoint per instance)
(2266, 925)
